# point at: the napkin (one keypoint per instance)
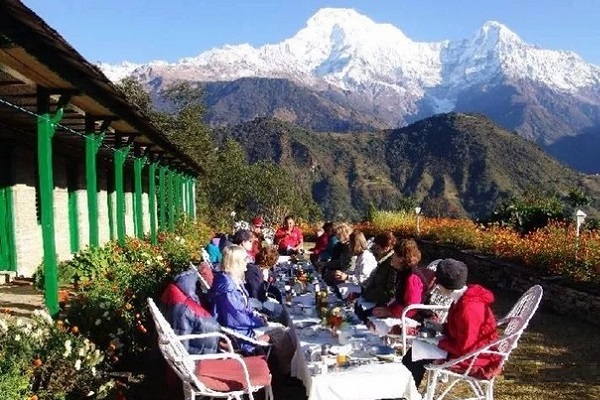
(422, 350)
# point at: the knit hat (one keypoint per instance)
(451, 274)
(258, 221)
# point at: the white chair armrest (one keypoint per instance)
(245, 338)
(207, 335)
(473, 355)
(405, 335)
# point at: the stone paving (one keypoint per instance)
(21, 298)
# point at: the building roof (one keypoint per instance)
(33, 55)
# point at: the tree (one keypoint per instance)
(532, 210)
(275, 193)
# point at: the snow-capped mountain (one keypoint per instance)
(341, 53)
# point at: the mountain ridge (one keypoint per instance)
(453, 164)
(378, 74)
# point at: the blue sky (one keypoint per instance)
(139, 31)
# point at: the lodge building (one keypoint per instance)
(79, 164)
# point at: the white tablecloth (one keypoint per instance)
(365, 382)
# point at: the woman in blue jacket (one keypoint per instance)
(229, 299)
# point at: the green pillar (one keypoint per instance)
(162, 198)
(171, 199)
(190, 196)
(152, 201)
(138, 164)
(110, 203)
(92, 145)
(46, 127)
(120, 156)
(8, 251)
(193, 197)
(72, 206)
(177, 187)
(186, 196)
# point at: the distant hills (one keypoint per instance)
(345, 72)
(453, 164)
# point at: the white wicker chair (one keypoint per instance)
(185, 364)
(516, 321)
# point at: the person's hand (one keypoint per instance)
(223, 345)
(371, 326)
(263, 338)
(381, 312)
(339, 275)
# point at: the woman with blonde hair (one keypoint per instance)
(228, 296)
(365, 260)
(333, 271)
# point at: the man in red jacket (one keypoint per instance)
(470, 324)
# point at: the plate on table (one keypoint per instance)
(304, 324)
(361, 355)
(383, 352)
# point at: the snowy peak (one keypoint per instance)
(348, 50)
(334, 16)
(495, 32)
(118, 71)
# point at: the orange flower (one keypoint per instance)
(37, 362)
(75, 330)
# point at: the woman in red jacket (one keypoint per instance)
(471, 324)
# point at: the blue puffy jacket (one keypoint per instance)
(230, 305)
(183, 310)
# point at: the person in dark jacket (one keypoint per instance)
(258, 275)
(412, 283)
(470, 324)
(334, 270)
(182, 308)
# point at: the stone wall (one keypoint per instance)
(560, 296)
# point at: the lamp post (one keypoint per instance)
(418, 212)
(579, 218)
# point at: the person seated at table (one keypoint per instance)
(182, 308)
(259, 278)
(229, 299)
(333, 271)
(319, 252)
(212, 248)
(256, 225)
(365, 260)
(288, 238)
(379, 288)
(244, 238)
(470, 324)
(412, 282)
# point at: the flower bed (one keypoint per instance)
(44, 359)
(106, 311)
(552, 250)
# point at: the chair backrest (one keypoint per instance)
(173, 349)
(438, 299)
(518, 317)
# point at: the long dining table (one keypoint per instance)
(362, 374)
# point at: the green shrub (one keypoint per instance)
(42, 358)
